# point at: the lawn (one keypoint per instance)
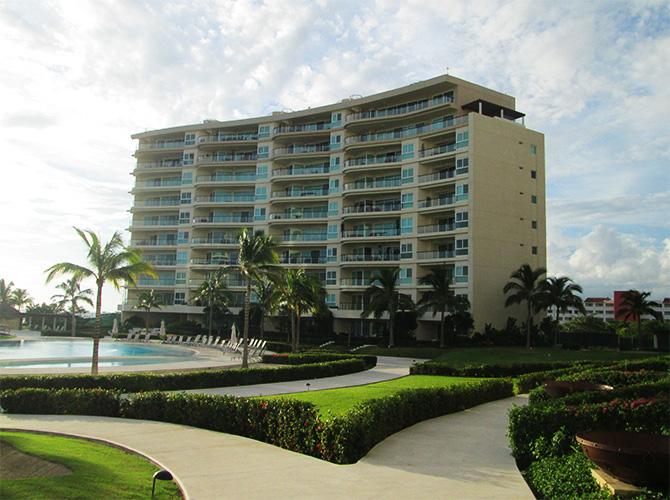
(459, 357)
(339, 401)
(98, 471)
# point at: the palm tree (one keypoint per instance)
(440, 296)
(634, 306)
(148, 300)
(18, 299)
(5, 293)
(299, 293)
(560, 293)
(257, 257)
(72, 295)
(268, 300)
(526, 286)
(213, 292)
(111, 262)
(382, 296)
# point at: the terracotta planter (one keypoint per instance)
(558, 389)
(632, 457)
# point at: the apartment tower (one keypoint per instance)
(440, 172)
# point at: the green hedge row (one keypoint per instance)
(347, 438)
(201, 379)
(316, 357)
(292, 425)
(485, 370)
(529, 424)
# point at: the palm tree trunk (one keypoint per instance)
(442, 330)
(391, 321)
(211, 311)
(297, 331)
(96, 331)
(293, 337)
(639, 333)
(556, 329)
(528, 328)
(262, 325)
(74, 332)
(247, 308)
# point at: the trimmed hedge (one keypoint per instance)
(347, 438)
(529, 424)
(61, 402)
(316, 357)
(485, 370)
(202, 379)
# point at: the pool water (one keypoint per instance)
(77, 353)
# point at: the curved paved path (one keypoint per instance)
(461, 456)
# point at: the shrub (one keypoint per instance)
(659, 388)
(201, 379)
(485, 370)
(316, 357)
(347, 438)
(61, 402)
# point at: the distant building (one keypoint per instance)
(606, 309)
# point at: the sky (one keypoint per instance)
(79, 77)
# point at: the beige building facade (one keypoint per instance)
(440, 172)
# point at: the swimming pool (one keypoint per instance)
(77, 353)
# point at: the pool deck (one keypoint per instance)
(202, 359)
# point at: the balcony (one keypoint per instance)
(355, 281)
(297, 149)
(291, 238)
(214, 262)
(157, 203)
(223, 219)
(404, 132)
(160, 164)
(370, 233)
(155, 223)
(442, 201)
(300, 193)
(153, 282)
(227, 198)
(439, 176)
(153, 243)
(401, 109)
(215, 241)
(162, 262)
(226, 177)
(371, 160)
(228, 138)
(447, 148)
(308, 127)
(159, 183)
(441, 254)
(387, 207)
(376, 184)
(441, 228)
(161, 145)
(351, 306)
(226, 157)
(316, 169)
(373, 257)
(305, 215)
(303, 260)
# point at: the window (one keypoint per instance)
(330, 300)
(259, 214)
(407, 225)
(533, 224)
(331, 254)
(331, 278)
(263, 131)
(334, 186)
(263, 151)
(186, 198)
(184, 217)
(335, 164)
(533, 150)
(462, 139)
(335, 141)
(188, 158)
(533, 199)
(333, 208)
(408, 175)
(462, 191)
(407, 200)
(332, 231)
(183, 238)
(261, 193)
(462, 165)
(462, 247)
(187, 177)
(262, 172)
(534, 250)
(462, 219)
(180, 278)
(405, 277)
(405, 250)
(180, 298)
(336, 120)
(182, 257)
(533, 174)
(461, 274)
(189, 139)
(408, 151)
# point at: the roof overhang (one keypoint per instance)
(491, 109)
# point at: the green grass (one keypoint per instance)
(459, 357)
(339, 401)
(99, 471)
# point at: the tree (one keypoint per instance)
(382, 296)
(18, 299)
(268, 300)
(525, 285)
(71, 296)
(213, 293)
(148, 300)
(110, 262)
(560, 293)
(5, 291)
(257, 257)
(440, 296)
(298, 293)
(634, 306)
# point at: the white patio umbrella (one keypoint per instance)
(162, 331)
(233, 334)
(115, 328)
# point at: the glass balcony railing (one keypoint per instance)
(215, 241)
(308, 127)
(303, 260)
(157, 203)
(160, 164)
(320, 168)
(156, 183)
(376, 184)
(354, 281)
(374, 160)
(162, 262)
(228, 177)
(351, 306)
(303, 215)
(408, 131)
(296, 149)
(153, 243)
(152, 282)
(226, 157)
(443, 200)
(401, 109)
(226, 198)
(223, 219)
(386, 207)
(302, 237)
(214, 262)
(300, 193)
(373, 257)
(161, 145)
(370, 233)
(165, 222)
(442, 254)
(228, 137)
